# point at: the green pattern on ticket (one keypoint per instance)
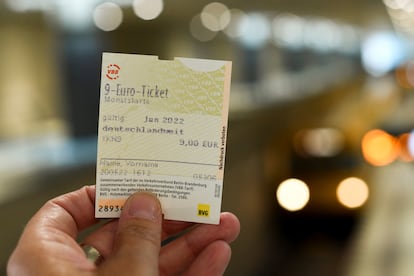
(163, 129)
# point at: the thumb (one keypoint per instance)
(138, 240)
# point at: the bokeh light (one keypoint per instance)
(148, 9)
(405, 154)
(382, 52)
(107, 16)
(293, 194)
(232, 29)
(17, 5)
(215, 16)
(406, 5)
(317, 34)
(322, 35)
(75, 15)
(405, 75)
(410, 143)
(401, 15)
(288, 30)
(321, 142)
(255, 30)
(379, 148)
(199, 32)
(409, 72)
(352, 192)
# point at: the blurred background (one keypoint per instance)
(319, 165)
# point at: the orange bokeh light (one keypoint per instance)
(405, 75)
(379, 148)
(401, 77)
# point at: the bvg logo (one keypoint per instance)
(112, 71)
(203, 210)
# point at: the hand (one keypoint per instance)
(129, 246)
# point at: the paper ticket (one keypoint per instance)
(163, 129)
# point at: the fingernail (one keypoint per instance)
(144, 206)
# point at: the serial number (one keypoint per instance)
(113, 172)
(109, 208)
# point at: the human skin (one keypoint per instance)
(130, 245)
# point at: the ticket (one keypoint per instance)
(163, 129)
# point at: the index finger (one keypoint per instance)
(69, 213)
(48, 243)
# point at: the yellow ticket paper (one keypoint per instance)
(163, 129)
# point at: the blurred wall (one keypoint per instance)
(31, 102)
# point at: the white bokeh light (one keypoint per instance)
(406, 5)
(215, 16)
(322, 35)
(382, 52)
(74, 15)
(255, 30)
(288, 30)
(199, 31)
(352, 192)
(107, 16)
(293, 194)
(323, 142)
(18, 5)
(232, 29)
(148, 9)
(410, 143)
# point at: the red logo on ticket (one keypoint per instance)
(112, 71)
